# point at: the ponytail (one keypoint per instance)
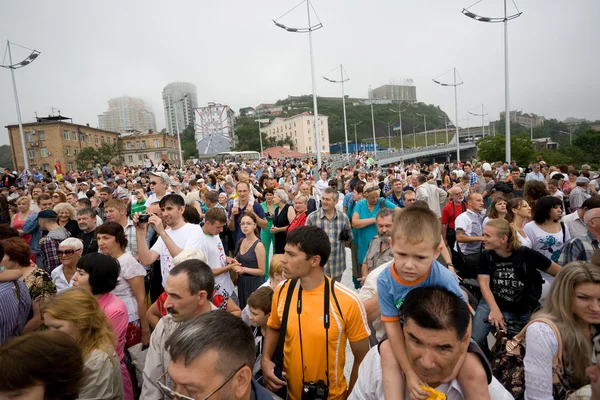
(503, 228)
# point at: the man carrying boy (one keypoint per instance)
(416, 244)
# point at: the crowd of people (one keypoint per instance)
(225, 281)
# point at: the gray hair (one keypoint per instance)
(87, 211)
(75, 243)
(302, 197)
(283, 196)
(199, 274)
(385, 212)
(61, 206)
(217, 330)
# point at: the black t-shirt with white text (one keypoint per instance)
(515, 281)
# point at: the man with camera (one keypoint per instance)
(312, 318)
(337, 226)
(171, 241)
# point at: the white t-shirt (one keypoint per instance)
(130, 268)
(59, 279)
(152, 199)
(189, 236)
(549, 244)
(212, 247)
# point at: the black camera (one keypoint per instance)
(143, 218)
(315, 391)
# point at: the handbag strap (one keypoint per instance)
(557, 361)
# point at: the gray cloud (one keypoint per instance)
(92, 51)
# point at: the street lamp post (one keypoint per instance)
(400, 123)
(355, 139)
(260, 133)
(309, 30)
(342, 80)
(505, 20)
(424, 126)
(446, 126)
(482, 122)
(468, 128)
(34, 54)
(374, 140)
(455, 110)
(414, 137)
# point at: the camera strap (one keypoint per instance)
(326, 324)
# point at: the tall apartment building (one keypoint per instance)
(526, 119)
(126, 114)
(394, 92)
(180, 100)
(300, 129)
(136, 146)
(52, 139)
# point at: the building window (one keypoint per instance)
(89, 138)
(31, 153)
(75, 152)
(82, 137)
(74, 135)
(157, 155)
(43, 152)
(115, 140)
(70, 166)
(41, 135)
(155, 143)
(66, 135)
(128, 145)
(29, 137)
(102, 139)
(46, 167)
(130, 158)
(68, 151)
(143, 144)
(96, 139)
(139, 157)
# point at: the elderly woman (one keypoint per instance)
(67, 218)
(363, 218)
(40, 285)
(69, 252)
(284, 214)
(301, 208)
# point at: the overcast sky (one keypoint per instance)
(232, 52)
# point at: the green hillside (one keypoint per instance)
(247, 128)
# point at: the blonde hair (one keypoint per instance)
(189, 254)
(504, 228)
(20, 200)
(276, 268)
(61, 206)
(559, 309)
(416, 225)
(81, 308)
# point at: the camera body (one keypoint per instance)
(143, 218)
(315, 391)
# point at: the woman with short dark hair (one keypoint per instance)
(50, 367)
(98, 274)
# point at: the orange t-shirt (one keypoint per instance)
(351, 325)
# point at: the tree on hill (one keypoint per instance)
(493, 148)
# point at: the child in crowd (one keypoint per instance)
(416, 244)
(259, 305)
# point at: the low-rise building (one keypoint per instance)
(545, 143)
(53, 139)
(137, 146)
(268, 109)
(528, 119)
(300, 130)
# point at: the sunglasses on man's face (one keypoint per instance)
(152, 183)
(61, 253)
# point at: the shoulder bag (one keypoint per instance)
(508, 366)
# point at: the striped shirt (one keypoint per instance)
(333, 227)
(579, 249)
(15, 304)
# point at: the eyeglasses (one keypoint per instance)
(61, 253)
(174, 395)
(152, 183)
(55, 196)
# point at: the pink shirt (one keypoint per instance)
(116, 312)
